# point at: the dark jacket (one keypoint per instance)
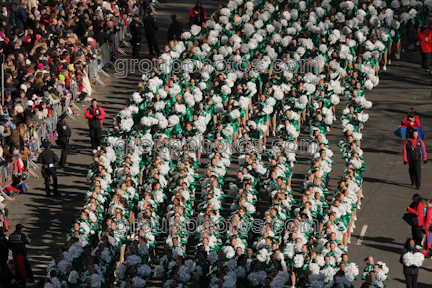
(7, 19)
(63, 129)
(136, 29)
(197, 16)
(414, 150)
(17, 242)
(175, 29)
(412, 270)
(20, 16)
(150, 25)
(95, 122)
(48, 157)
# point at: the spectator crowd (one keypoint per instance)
(46, 48)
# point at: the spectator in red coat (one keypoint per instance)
(416, 210)
(428, 229)
(425, 39)
(411, 121)
(197, 15)
(95, 116)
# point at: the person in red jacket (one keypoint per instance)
(95, 116)
(414, 151)
(428, 229)
(197, 15)
(411, 121)
(425, 46)
(416, 209)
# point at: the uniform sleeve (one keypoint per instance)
(405, 158)
(405, 122)
(56, 158)
(192, 13)
(416, 121)
(417, 211)
(154, 24)
(428, 219)
(102, 114)
(25, 239)
(424, 153)
(205, 15)
(87, 114)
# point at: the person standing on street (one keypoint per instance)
(95, 116)
(17, 244)
(64, 133)
(425, 46)
(137, 33)
(151, 28)
(411, 121)
(416, 210)
(414, 151)
(175, 28)
(428, 229)
(48, 158)
(410, 272)
(197, 15)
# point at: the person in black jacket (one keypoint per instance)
(48, 158)
(151, 28)
(414, 151)
(17, 244)
(175, 28)
(411, 272)
(137, 33)
(64, 132)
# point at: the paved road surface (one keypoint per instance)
(386, 187)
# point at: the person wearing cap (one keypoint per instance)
(95, 116)
(64, 132)
(17, 244)
(48, 159)
(136, 29)
(425, 39)
(151, 28)
(175, 28)
(414, 151)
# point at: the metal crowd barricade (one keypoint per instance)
(6, 175)
(74, 94)
(106, 52)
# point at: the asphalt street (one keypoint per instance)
(386, 180)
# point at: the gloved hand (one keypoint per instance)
(405, 162)
(425, 161)
(95, 117)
